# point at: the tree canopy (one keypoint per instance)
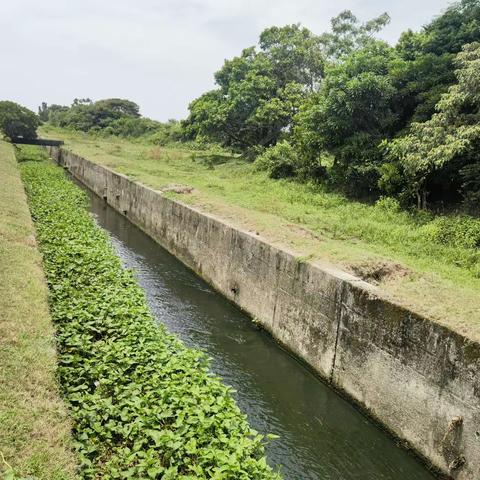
(449, 142)
(17, 121)
(350, 115)
(348, 34)
(260, 91)
(86, 115)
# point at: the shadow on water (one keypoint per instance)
(322, 436)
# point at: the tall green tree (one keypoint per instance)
(443, 153)
(260, 91)
(348, 34)
(17, 121)
(350, 115)
(421, 79)
(430, 55)
(295, 55)
(457, 26)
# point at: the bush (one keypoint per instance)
(167, 133)
(388, 204)
(355, 180)
(132, 127)
(279, 161)
(18, 121)
(459, 231)
(143, 405)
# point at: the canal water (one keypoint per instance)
(322, 436)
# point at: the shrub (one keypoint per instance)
(18, 121)
(143, 405)
(132, 127)
(167, 133)
(388, 204)
(459, 231)
(278, 161)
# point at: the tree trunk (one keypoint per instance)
(421, 199)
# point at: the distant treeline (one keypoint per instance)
(113, 116)
(350, 110)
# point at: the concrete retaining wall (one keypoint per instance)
(416, 377)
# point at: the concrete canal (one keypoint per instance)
(322, 436)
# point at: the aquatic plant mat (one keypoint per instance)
(143, 405)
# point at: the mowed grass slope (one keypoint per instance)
(34, 427)
(398, 250)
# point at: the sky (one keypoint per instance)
(159, 53)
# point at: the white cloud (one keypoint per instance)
(159, 53)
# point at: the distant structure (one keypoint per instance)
(37, 141)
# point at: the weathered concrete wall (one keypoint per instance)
(416, 377)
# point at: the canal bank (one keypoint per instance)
(416, 377)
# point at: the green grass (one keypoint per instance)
(34, 426)
(143, 405)
(411, 257)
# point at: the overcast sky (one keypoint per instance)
(159, 53)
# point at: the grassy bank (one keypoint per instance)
(34, 427)
(429, 264)
(143, 405)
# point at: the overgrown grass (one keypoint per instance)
(143, 405)
(34, 427)
(440, 254)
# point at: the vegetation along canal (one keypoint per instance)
(321, 435)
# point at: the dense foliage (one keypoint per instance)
(260, 91)
(341, 107)
(443, 153)
(143, 405)
(345, 108)
(113, 116)
(17, 121)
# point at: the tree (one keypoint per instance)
(457, 26)
(295, 54)
(43, 112)
(47, 112)
(349, 35)
(430, 54)
(86, 115)
(435, 151)
(118, 107)
(350, 115)
(81, 101)
(17, 121)
(421, 78)
(260, 91)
